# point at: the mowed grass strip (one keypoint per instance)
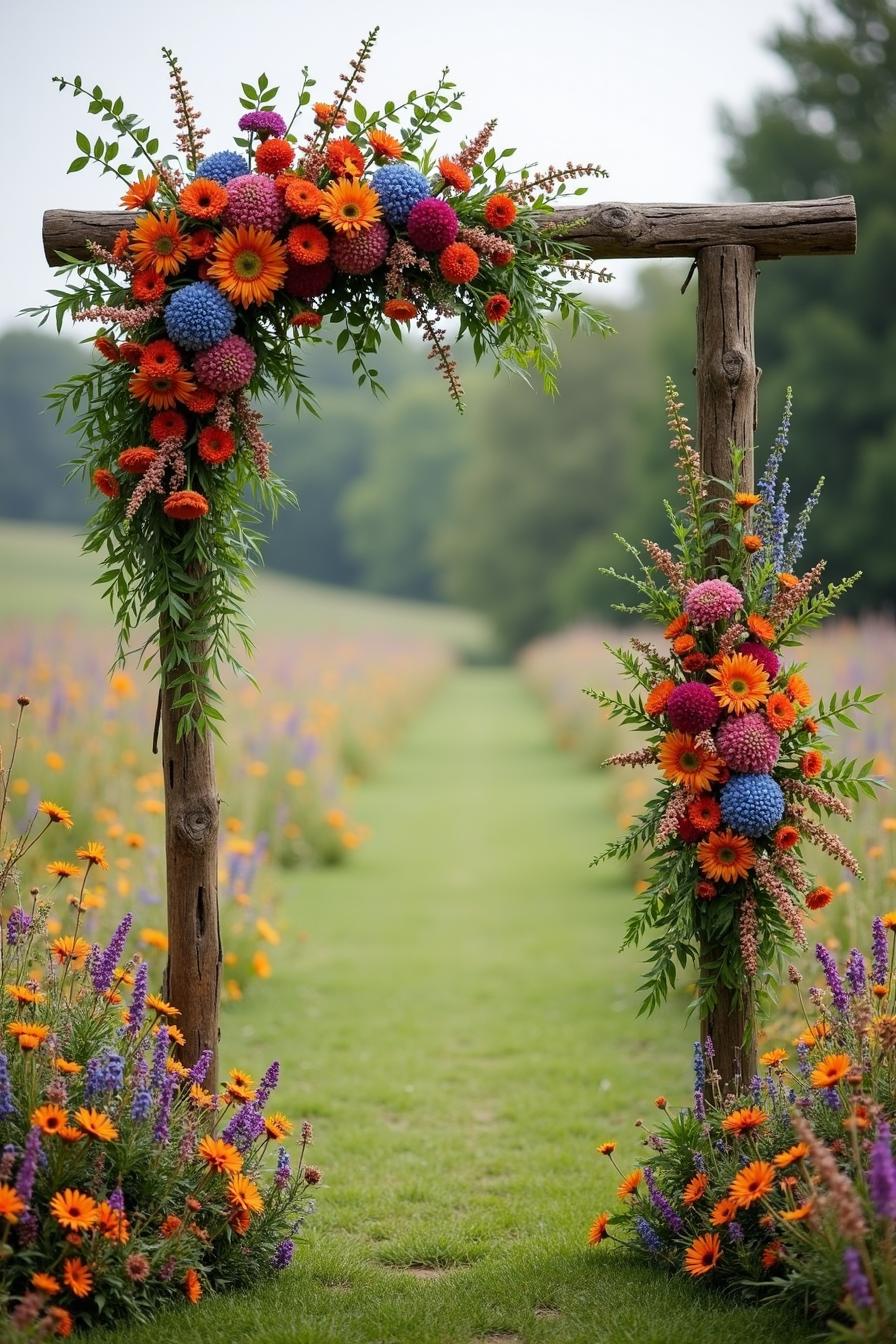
(453, 1014)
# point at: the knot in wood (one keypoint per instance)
(619, 220)
(197, 820)
(733, 365)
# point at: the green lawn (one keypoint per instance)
(44, 577)
(452, 1014)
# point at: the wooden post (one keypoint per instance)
(727, 239)
(727, 380)
(193, 972)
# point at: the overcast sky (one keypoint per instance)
(633, 86)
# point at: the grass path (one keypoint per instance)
(458, 1024)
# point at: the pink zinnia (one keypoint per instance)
(748, 744)
(432, 225)
(360, 255)
(764, 657)
(692, 707)
(254, 199)
(711, 601)
(226, 367)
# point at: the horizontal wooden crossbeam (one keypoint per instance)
(609, 230)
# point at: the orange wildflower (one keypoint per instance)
(703, 1254)
(243, 1193)
(49, 1118)
(454, 175)
(695, 1188)
(658, 698)
(752, 543)
(384, 146)
(772, 1058)
(22, 994)
(780, 712)
(78, 1276)
(605, 1149)
(799, 1213)
(73, 1210)
(761, 628)
(93, 853)
(113, 1223)
(598, 1229)
(344, 158)
(745, 500)
(629, 1184)
(96, 1124)
(744, 1121)
(56, 813)
(723, 1212)
(751, 1183)
(11, 1203)
(811, 764)
(787, 580)
(831, 1070)
(249, 265)
(70, 949)
(819, 897)
(192, 1286)
(349, 206)
(45, 1283)
(796, 1153)
(785, 837)
(219, 1155)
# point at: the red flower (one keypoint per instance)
(306, 318)
(695, 662)
(201, 401)
(704, 813)
(706, 891)
(160, 357)
(131, 353)
(497, 306)
(200, 243)
(274, 156)
(811, 764)
(216, 445)
(500, 211)
(108, 349)
(459, 264)
(147, 286)
(136, 461)
(106, 483)
(168, 425)
(399, 310)
(186, 505)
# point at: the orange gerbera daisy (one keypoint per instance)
(113, 1223)
(161, 1006)
(160, 356)
(147, 286)
(629, 1184)
(787, 580)
(161, 391)
(399, 310)
(745, 500)
(744, 1121)
(752, 1183)
(200, 1097)
(725, 857)
(140, 193)
(780, 712)
(695, 1188)
(605, 1149)
(49, 1118)
(201, 400)
(157, 243)
(200, 243)
(676, 626)
(799, 1213)
(70, 949)
(344, 158)
(813, 1034)
(704, 813)
(658, 698)
(22, 994)
(683, 644)
(45, 1283)
(500, 211)
(683, 760)
(62, 1321)
(192, 1286)
(203, 198)
(325, 114)
(73, 1210)
(56, 813)
(62, 868)
(772, 1058)
(349, 206)
(219, 1155)
(455, 175)
(741, 683)
(819, 897)
(752, 543)
(167, 425)
(811, 764)
(216, 445)
(11, 1203)
(96, 1124)
(384, 146)
(78, 1276)
(243, 1193)
(308, 245)
(703, 1254)
(831, 1070)
(137, 461)
(797, 1153)
(249, 265)
(303, 198)
(723, 1212)
(761, 628)
(598, 1229)
(785, 837)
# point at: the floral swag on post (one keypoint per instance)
(732, 728)
(239, 258)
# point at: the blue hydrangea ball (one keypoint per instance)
(399, 187)
(199, 316)
(223, 166)
(752, 804)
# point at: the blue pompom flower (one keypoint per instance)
(752, 804)
(221, 167)
(399, 187)
(199, 316)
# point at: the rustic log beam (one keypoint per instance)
(727, 383)
(607, 231)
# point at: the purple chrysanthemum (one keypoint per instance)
(748, 744)
(767, 659)
(432, 225)
(262, 123)
(882, 1173)
(226, 367)
(362, 254)
(880, 958)
(832, 975)
(692, 707)
(711, 601)
(254, 199)
(106, 964)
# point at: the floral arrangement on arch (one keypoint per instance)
(747, 779)
(125, 1184)
(237, 260)
(788, 1189)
